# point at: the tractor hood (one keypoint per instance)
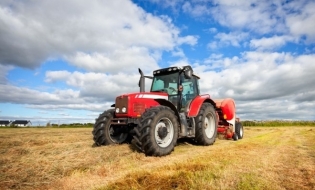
(145, 95)
(134, 104)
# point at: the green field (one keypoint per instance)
(65, 158)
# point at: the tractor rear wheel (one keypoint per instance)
(159, 131)
(104, 133)
(206, 125)
(239, 130)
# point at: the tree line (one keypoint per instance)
(277, 123)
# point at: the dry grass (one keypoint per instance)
(267, 158)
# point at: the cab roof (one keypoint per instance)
(173, 70)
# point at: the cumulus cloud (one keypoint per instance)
(126, 60)
(228, 39)
(271, 43)
(22, 95)
(44, 29)
(263, 84)
(258, 16)
(293, 18)
(274, 109)
(301, 23)
(267, 76)
(97, 86)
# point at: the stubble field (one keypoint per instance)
(65, 158)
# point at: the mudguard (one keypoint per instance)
(196, 103)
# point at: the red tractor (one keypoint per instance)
(173, 109)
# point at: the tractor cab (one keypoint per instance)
(180, 84)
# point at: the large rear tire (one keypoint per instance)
(206, 125)
(104, 133)
(158, 131)
(239, 130)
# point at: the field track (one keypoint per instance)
(64, 158)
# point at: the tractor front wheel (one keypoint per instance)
(106, 134)
(206, 125)
(159, 131)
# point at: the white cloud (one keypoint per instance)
(213, 45)
(293, 18)
(258, 16)
(259, 76)
(230, 39)
(274, 109)
(178, 53)
(213, 30)
(56, 75)
(264, 85)
(3, 72)
(218, 62)
(22, 95)
(195, 10)
(278, 82)
(44, 29)
(271, 43)
(191, 40)
(98, 86)
(301, 22)
(127, 60)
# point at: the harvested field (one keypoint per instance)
(64, 158)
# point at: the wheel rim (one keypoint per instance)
(241, 132)
(117, 138)
(209, 125)
(164, 132)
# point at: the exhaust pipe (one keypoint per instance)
(141, 81)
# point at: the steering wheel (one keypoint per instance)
(173, 89)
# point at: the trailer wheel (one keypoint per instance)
(235, 137)
(206, 128)
(239, 130)
(159, 131)
(104, 133)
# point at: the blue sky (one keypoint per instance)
(66, 61)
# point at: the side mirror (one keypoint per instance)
(188, 73)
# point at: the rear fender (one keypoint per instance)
(196, 104)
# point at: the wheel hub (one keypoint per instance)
(162, 132)
(209, 125)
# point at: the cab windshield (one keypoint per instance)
(165, 83)
(169, 83)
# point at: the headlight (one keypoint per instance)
(117, 110)
(124, 109)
